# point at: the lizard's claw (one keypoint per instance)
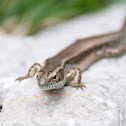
(78, 85)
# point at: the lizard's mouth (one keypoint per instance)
(50, 86)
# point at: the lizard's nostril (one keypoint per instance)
(42, 82)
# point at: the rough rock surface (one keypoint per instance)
(102, 103)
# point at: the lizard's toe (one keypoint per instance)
(22, 78)
(19, 79)
(78, 85)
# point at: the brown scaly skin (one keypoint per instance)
(69, 63)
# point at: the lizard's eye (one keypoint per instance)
(54, 77)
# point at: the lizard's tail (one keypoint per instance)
(123, 29)
(123, 33)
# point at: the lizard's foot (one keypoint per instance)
(32, 71)
(78, 85)
(22, 78)
(75, 74)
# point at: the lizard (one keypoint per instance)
(68, 64)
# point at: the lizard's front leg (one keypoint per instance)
(76, 75)
(32, 71)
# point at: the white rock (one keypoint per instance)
(102, 103)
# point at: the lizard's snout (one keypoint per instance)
(42, 82)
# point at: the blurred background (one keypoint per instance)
(27, 17)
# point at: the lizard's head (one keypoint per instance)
(50, 79)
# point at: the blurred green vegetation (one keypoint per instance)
(38, 13)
